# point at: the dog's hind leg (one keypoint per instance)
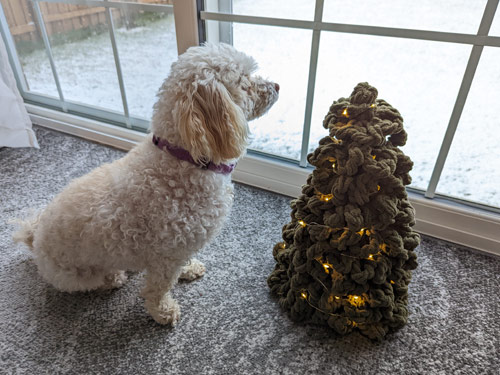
(192, 270)
(76, 278)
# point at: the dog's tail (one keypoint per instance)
(26, 231)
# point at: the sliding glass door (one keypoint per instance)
(436, 61)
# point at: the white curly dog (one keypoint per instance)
(168, 197)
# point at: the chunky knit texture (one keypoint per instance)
(348, 251)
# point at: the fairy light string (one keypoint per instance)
(353, 300)
(348, 250)
(356, 301)
(305, 296)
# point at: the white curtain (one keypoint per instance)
(15, 124)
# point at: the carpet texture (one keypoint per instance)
(229, 323)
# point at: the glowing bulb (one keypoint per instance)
(337, 298)
(378, 187)
(327, 267)
(355, 300)
(345, 113)
(373, 106)
(336, 141)
(283, 245)
(301, 222)
(303, 295)
(361, 232)
(325, 198)
(374, 156)
(370, 257)
(383, 247)
(392, 282)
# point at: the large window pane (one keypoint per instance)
(472, 168)
(283, 56)
(292, 9)
(444, 15)
(421, 79)
(29, 46)
(82, 51)
(147, 47)
(495, 26)
(83, 54)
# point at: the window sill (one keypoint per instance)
(440, 218)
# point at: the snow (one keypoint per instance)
(420, 78)
(87, 71)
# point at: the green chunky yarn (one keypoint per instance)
(347, 254)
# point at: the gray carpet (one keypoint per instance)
(229, 322)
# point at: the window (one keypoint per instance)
(97, 58)
(420, 55)
(434, 61)
(471, 171)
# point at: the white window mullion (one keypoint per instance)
(313, 64)
(391, 32)
(48, 49)
(111, 27)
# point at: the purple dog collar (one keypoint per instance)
(183, 154)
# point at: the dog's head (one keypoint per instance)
(215, 95)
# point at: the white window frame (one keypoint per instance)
(453, 220)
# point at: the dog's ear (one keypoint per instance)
(211, 126)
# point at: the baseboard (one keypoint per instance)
(450, 221)
(118, 137)
(463, 225)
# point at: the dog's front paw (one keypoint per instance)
(193, 270)
(166, 311)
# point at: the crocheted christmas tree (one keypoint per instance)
(348, 251)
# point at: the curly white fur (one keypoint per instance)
(149, 210)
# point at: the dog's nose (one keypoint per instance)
(277, 87)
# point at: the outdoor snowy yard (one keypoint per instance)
(420, 78)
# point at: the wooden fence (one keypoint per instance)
(58, 17)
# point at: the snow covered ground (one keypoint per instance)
(419, 78)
